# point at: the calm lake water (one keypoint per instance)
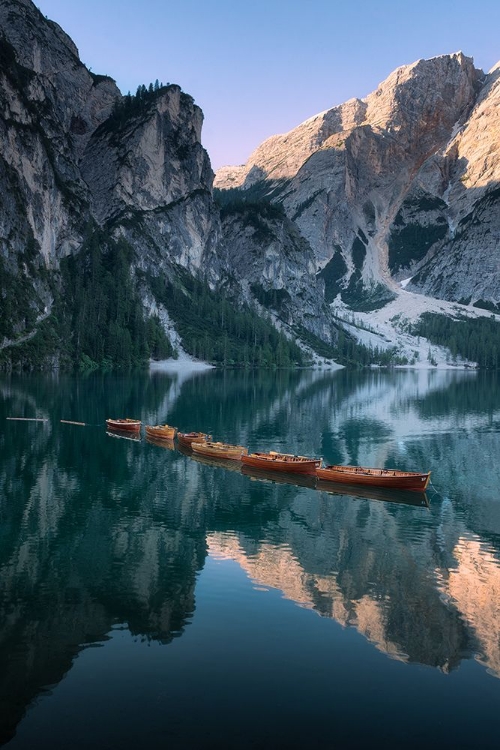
(151, 600)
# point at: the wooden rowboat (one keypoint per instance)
(124, 425)
(161, 431)
(388, 478)
(219, 450)
(285, 462)
(186, 439)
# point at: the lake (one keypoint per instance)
(152, 600)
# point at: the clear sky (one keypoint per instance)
(260, 67)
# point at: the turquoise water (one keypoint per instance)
(148, 599)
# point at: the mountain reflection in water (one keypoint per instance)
(96, 532)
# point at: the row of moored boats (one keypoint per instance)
(202, 444)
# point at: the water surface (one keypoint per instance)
(148, 599)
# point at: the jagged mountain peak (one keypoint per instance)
(406, 95)
(378, 186)
(41, 44)
(95, 187)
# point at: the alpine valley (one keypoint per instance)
(369, 234)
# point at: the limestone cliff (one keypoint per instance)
(275, 268)
(122, 185)
(406, 179)
(110, 229)
(76, 157)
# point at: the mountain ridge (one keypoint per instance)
(338, 177)
(115, 248)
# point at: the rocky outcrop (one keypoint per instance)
(400, 186)
(274, 267)
(402, 181)
(50, 105)
(83, 167)
(150, 180)
(75, 154)
(465, 177)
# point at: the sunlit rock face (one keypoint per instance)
(403, 180)
(465, 264)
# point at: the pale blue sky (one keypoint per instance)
(260, 67)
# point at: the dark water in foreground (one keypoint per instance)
(149, 600)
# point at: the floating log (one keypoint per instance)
(68, 421)
(28, 419)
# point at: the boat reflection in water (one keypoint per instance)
(161, 442)
(403, 497)
(222, 463)
(112, 432)
(279, 477)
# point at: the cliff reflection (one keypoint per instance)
(96, 532)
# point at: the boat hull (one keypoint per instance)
(161, 432)
(384, 478)
(124, 425)
(220, 450)
(285, 463)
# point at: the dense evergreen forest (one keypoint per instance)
(102, 314)
(214, 328)
(97, 320)
(475, 339)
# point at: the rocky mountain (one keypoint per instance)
(115, 249)
(109, 230)
(400, 185)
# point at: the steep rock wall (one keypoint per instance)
(411, 172)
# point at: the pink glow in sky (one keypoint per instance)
(262, 67)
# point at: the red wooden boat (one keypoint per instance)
(219, 450)
(186, 439)
(287, 462)
(161, 431)
(124, 425)
(387, 478)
